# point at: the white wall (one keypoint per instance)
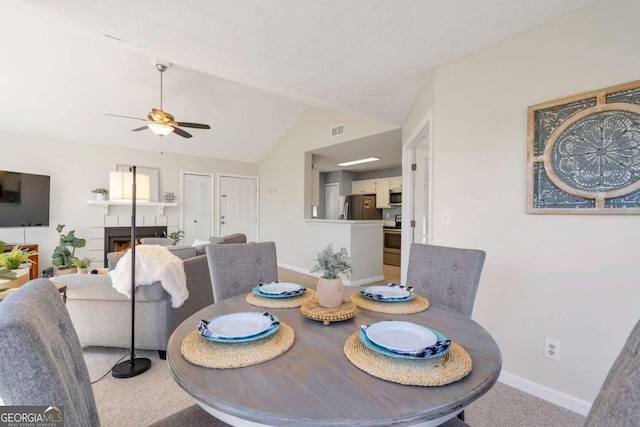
(573, 278)
(282, 212)
(77, 168)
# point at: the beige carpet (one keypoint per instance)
(141, 400)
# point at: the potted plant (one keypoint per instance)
(331, 265)
(15, 258)
(62, 256)
(82, 264)
(15, 261)
(100, 193)
(176, 236)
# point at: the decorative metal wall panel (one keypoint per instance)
(584, 153)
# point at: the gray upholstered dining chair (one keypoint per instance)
(445, 275)
(235, 269)
(618, 402)
(50, 369)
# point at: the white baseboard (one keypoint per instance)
(364, 281)
(346, 282)
(296, 269)
(556, 397)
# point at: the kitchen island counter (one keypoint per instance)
(363, 240)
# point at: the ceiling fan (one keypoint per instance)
(160, 122)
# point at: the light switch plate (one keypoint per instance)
(445, 217)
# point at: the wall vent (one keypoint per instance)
(337, 130)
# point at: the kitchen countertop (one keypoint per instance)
(347, 221)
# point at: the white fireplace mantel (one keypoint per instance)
(106, 203)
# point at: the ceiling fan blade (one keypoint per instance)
(140, 128)
(125, 117)
(193, 125)
(181, 132)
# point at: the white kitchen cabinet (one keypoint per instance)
(382, 193)
(395, 182)
(357, 187)
(366, 186)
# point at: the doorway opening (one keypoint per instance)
(332, 201)
(417, 180)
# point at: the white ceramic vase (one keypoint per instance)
(330, 292)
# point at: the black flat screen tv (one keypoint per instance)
(24, 199)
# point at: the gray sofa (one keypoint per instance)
(102, 316)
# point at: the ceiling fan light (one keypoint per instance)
(160, 129)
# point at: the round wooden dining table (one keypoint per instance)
(314, 384)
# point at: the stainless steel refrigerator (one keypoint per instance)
(362, 207)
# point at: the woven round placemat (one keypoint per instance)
(451, 367)
(415, 305)
(222, 355)
(293, 302)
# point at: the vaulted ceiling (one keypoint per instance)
(250, 69)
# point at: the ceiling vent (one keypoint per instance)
(337, 130)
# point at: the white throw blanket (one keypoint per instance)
(154, 263)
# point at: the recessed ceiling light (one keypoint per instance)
(357, 162)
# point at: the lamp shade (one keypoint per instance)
(121, 183)
(160, 128)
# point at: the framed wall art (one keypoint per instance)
(583, 153)
(153, 173)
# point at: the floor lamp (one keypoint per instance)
(122, 187)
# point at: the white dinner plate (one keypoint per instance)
(401, 336)
(390, 292)
(238, 325)
(279, 288)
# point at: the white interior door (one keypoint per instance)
(239, 206)
(197, 211)
(332, 201)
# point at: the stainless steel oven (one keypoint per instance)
(392, 245)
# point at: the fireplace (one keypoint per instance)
(118, 239)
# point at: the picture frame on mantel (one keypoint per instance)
(153, 173)
(583, 153)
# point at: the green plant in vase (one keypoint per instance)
(15, 258)
(81, 263)
(331, 265)
(62, 256)
(176, 236)
(100, 193)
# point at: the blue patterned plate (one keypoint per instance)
(254, 332)
(388, 293)
(258, 292)
(442, 349)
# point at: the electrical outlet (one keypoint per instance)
(552, 349)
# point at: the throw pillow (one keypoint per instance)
(199, 242)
